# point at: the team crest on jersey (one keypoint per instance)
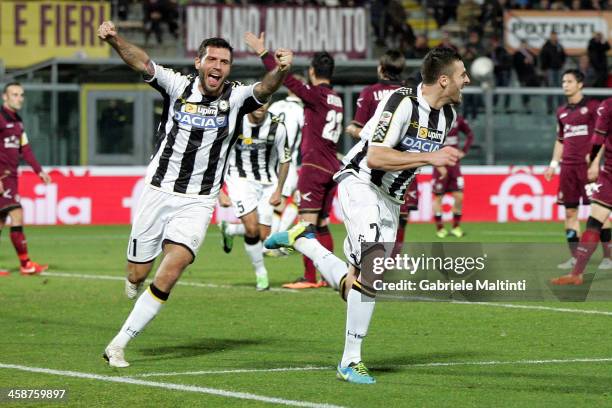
(584, 110)
(11, 142)
(223, 105)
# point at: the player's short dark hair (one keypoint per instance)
(14, 83)
(438, 61)
(392, 64)
(323, 65)
(217, 43)
(576, 73)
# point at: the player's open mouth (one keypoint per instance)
(213, 80)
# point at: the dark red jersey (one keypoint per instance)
(575, 124)
(14, 144)
(323, 114)
(370, 97)
(603, 126)
(452, 139)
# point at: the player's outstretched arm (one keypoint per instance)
(388, 159)
(134, 56)
(274, 79)
(554, 163)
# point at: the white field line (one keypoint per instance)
(440, 364)
(167, 386)
(328, 292)
(524, 233)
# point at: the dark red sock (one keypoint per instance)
(399, 237)
(438, 219)
(325, 238)
(605, 236)
(21, 246)
(310, 272)
(456, 219)
(588, 243)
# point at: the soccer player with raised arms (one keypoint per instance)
(195, 137)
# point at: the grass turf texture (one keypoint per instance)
(64, 323)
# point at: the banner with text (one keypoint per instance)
(33, 31)
(575, 28)
(341, 31)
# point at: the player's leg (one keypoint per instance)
(3, 271)
(254, 249)
(137, 273)
(243, 198)
(439, 188)
(571, 187)
(605, 237)
(27, 266)
(290, 213)
(457, 211)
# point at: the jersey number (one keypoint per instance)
(333, 126)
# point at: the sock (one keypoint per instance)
(605, 236)
(358, 315)
(325, 238)
(572, 240)
(276, 219)
(21, 245)
(399, 236)
(235, 229)
(438, 218)
(145, 309)
(588, 243)
(456, 219)
(310, 272)
(254, 248)
(288, 217)
(331, 267)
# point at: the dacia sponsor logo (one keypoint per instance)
(199, 121)
(434, 135)
(419, 145)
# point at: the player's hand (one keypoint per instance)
(283, 58)
(447, 156)
(224, 200)
(46, 178)
(107, 30)
(1, 187)
(443, 172)
(256, 44)
(461, 154)
(276, 198)
(549, 173)
(593, 173)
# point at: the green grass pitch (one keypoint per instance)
(218, 342)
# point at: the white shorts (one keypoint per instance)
(369, 216)
(247, 196)
(163, 217)
(291, 183)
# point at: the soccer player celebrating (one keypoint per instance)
(449, 180)
(406, 132)
(601, 200)
(322, 127)
(575, 123)
(195, 136)
(15, 145)
(254, 185)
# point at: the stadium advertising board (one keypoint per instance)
(108, 195)
(33, 31)
(575, 28)
(341, 31)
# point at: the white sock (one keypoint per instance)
(255, 253)
(145, 309)
(358, 315)
(276, 220)
(331, 267)
(235, 229)
(288, 217)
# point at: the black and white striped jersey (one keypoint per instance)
(196, 133)
(291, 111)
(403, 122)
(259, 150)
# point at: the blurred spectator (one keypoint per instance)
(544, 5)
(155, 13)
(597, 49)
(420, 48)
(378, 16)
(492, 18)
(552, 59)
(468, 15)
(558, 5)
(444, 10)
(502, 71)
(446, 42)
(399, 34)
(123, 9)
(590, 76)
(525, 62)
(472, 50)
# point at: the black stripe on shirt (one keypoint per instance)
(254, 154)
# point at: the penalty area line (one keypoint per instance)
(167, 386)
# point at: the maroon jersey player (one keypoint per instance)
(13, 146)
(601, 200)
(575, 123)
(323, 114)
(450, 180)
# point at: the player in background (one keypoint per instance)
(195, 137)
(372, 186)
(291, 110)
(601, 200)
(14, 146)
(323, 114)
(575, 124)
(258, 168)
(450, 180)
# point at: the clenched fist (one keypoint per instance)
(107, 31)
(283, 58)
